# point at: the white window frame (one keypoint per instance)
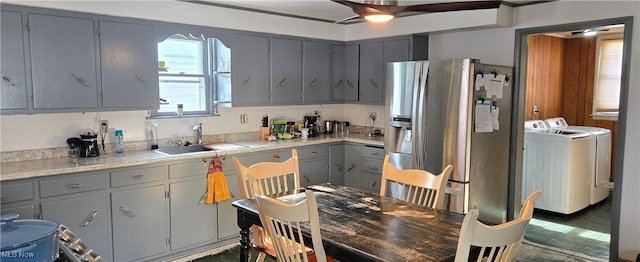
(597, 115)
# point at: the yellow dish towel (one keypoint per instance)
(217, 189)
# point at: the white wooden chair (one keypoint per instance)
(271, 178)
(415, 186)
(282, 222)
(494, 239)
(526, 212)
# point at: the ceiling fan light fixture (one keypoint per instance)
(378, 18)
(589, 32)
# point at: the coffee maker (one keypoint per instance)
(310, 122)
(85, 145)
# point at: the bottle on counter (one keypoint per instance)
(154, 136)
(119, 141)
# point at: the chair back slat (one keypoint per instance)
(414, 186)
(282, 222)
(525, 212)
(272, 177)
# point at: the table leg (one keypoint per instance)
(245, 242)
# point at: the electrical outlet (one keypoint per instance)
(244, 118)
(535, 110)
(104, 126)
(373, 116)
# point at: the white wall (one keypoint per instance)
(497, 46)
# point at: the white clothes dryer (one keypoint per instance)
(600, 156)
(554, 162)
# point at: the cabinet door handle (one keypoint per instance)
(306, 179)
(374, 153)
(284, 79)
(202, 198)
(77, 77)
(138, 177)
(7, 79)
(349, 83)
(373, 184)
(338, 167)
(313, 153)
(312, 83)
(90, 218)
(351, 167)
(141, 80)
(338, 84)
(373, 83)
(127, 211)
(276, 156)
(74, 185)
(374, 168)
(245, 82)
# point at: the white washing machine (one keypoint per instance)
(600, 156)
(554, 162)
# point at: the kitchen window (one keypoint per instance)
(607, 78)
(195, 72)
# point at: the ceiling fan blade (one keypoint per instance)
(346, 19)
(365, 9)
(453, 6)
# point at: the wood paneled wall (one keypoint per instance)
(545, 76)
(579, 77)
(560, 81)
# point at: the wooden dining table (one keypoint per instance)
(360, 226)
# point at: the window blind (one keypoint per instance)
(609, 75)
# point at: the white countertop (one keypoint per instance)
(66, 165)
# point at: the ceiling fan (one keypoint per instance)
(385, 10)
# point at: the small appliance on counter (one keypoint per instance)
(86, 145)
(328, 127)
(310, 122)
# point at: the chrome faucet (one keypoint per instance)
(198, 129)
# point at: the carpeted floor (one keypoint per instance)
(528, 252)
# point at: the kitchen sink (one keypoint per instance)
(193, 149)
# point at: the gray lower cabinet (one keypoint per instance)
(250, 67)
(336, 164)
(371, 168)
(316, 74)
(192, 220)
(227, 214)
(63, 62)
(286, 70)
(351, 72)
(274, 156)
(17, 197)
(313, 172)
(128, 81)
(139, 218)
(338, 83)
(371, 73)
(87, 217)
(353, 154)
(13, 80)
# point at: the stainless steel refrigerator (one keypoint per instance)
(438, 116)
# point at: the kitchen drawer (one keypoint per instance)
(275, 156)
(138, 176)
(373, 152)
(16, 192)
(229, 168)
(199, 167)
(312, 152)
(371, 166)
(70, 185)
(370, 182)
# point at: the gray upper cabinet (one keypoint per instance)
(13, 86)
(63, 62)
(316, 72)
(250, 67)
(129, 65)
(396, 51)
(338, 84)
(371, 73)
(286, 70)
(351, 70)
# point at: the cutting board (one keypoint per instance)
(223, 146)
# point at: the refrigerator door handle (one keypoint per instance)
(418, 121)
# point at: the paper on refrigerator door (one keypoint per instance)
(483, 117)
(495, 112)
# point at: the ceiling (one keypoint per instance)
(319, 10)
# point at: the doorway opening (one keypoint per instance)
(581, 231)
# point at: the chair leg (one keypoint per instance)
(261, 257)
